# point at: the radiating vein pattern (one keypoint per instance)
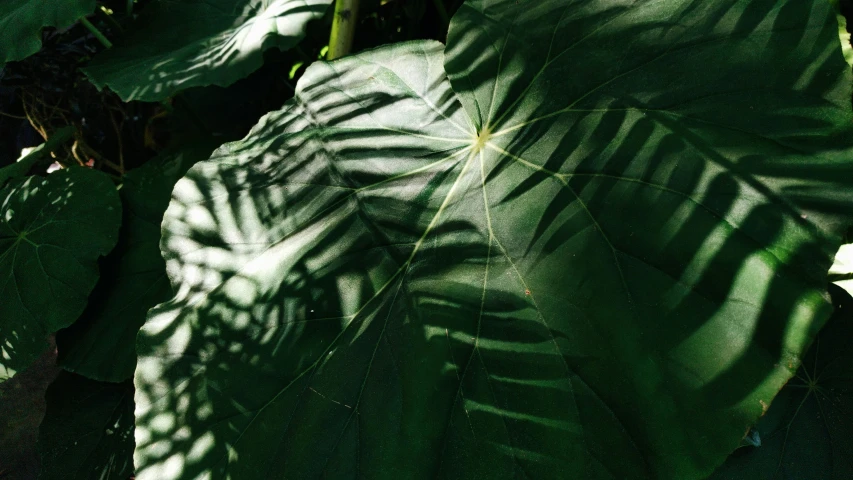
(606, 229)
(669, 145)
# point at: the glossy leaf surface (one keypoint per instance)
(52, 232)
(588, 254)
(175, 45)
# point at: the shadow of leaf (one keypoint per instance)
(604, 271)
(175, 45)
(806, 431)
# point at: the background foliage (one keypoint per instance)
(584, 239)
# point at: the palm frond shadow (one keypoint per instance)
(631, 274)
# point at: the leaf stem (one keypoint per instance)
(838, 277)
(129, 8)
(343, 28)
(97, 33)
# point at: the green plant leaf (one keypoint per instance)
(175, 45)
(87, 431)
(808, 430)
(600, 257)
(21, 22)
(101, 345)
(52, 231)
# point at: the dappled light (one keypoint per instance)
(99, 443)
(805, 433)
(133, 274)
(197, 43)
(582, 239)
(387, 279)
(52, 231)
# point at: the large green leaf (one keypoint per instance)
(808, 430)
(52, 231)
(175, 45)
(601, 257)
(21, 22)
(87, 431)
(102, 344)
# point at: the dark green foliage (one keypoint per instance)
(508, 273)
(806, 433)
(21, 23)
(177, 45)
(575, 239)
(134, 275)
(87, 431)
(52, 232)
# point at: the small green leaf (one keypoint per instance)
(52, 232)
(87, 431)
(175, 45)
(808, 430)
(21, 22)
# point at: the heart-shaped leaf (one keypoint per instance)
(175, 45)
(52, 232)
(597, 251)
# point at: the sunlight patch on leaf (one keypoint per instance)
(529, 248)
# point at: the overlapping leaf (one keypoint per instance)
(175, 45)
(52, 231)
(102, 344)
(599, 255)
(21, 22)
(808, 430)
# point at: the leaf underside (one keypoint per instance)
(594, 248)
